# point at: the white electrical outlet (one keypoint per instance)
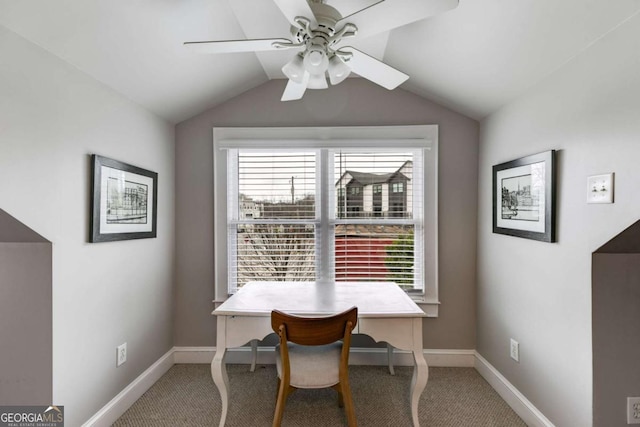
(514, 350)
(633, 410)
(121, 354)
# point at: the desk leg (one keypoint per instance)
(254, 355)
(390, 359)
(420, 372)
(219, 369)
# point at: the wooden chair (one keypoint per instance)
(310, 355)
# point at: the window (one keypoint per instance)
(370, 244)
(326, 210)
(397, 187)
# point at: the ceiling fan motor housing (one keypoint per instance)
(317, 40)
(326, 16)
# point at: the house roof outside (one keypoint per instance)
(368, 178)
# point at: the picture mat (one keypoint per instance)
(537, 173)
(123, 176)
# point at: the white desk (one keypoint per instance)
(385, 313)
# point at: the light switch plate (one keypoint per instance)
(600, 188)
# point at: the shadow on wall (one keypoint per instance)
(26, 364)
(616, 326)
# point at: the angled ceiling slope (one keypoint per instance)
(473, 59)
(14, 231)
(322, 37)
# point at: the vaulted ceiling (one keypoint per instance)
(473, 59)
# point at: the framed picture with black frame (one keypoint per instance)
(524, 197)
(124, 200)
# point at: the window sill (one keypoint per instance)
(430, 308)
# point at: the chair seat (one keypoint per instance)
(312, 366)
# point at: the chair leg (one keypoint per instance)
(284, 390)
(345, 400)
(348, 404)
(338, 388)
(280, 401)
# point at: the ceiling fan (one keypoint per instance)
(318, 33)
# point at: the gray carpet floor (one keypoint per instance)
(187, 396)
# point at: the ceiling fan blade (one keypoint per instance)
(295, 90)
(294, 8)
(372, 69)
(230, 46)
(389, 14)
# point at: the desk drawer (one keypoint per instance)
(242, 329)
(399, 332)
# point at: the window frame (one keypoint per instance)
(417, 136)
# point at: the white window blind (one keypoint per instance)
(301, 204)
(275, 212)
(272, 215)
(376, 230)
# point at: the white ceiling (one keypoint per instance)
(473, 59)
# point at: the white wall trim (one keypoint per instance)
(127, 397)
(419, 137)
(516, 400)
(449, 358)
(191, 355)
(359, 356)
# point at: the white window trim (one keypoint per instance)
(417, 136)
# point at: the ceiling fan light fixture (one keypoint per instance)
(338, 70)
(315, 60)
(295, 69)
(317, 81)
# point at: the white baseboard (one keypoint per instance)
(127, 397)
(359, 356)
(450, 358)
(516, 400)
(191, 355)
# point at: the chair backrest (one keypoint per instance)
(315, 330)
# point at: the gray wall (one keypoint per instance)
(25, 324)
(52, 117)
(540, 293)
(354, 102)
(616, 336)
(25, 306)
